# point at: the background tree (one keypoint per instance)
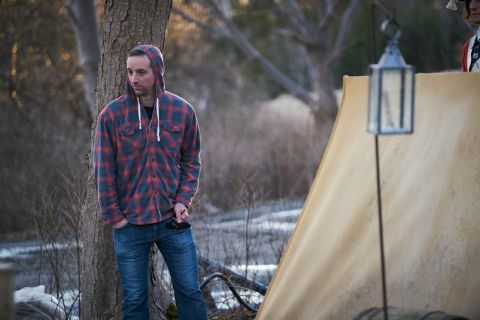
(126, 24)
(306, 46)
(44, 119)
(312, 27)
(83, 19)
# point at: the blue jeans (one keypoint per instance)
(132, 246)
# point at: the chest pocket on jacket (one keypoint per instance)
(170, 136)
(130, 139)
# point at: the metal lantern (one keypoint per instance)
(391, 90)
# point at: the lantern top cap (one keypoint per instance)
(392, 58)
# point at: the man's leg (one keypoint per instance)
(132, 246)
(180, 253)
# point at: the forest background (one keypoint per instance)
(272, 148)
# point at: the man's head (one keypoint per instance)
(472, 11)
(140, 74)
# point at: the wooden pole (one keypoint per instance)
(6, 291)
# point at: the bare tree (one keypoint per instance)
(319, 48)
(126, 23)
(82, 16)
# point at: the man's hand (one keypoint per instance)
(120, 224)
(181, 212)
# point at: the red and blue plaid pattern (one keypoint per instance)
(138, 177)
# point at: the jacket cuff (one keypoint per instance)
(114, 219)
(185, 201)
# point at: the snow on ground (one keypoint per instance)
(253, 249)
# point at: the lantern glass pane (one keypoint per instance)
(373, 100)
(407, 124)
(391, 101)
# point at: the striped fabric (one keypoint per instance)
(467, 55)
(138, 177)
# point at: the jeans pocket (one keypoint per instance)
(122, 235)
(182, 238)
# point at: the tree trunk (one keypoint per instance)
(126, 24)
(82, 16)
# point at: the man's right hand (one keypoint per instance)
(120, 224)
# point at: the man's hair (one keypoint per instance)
(136, 52)
(467, 8)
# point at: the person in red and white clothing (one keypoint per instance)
(471, 48)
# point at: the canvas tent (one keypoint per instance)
(431, 208)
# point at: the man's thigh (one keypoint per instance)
(132, 246)
(179, 252)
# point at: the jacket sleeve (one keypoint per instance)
(189, 160)
(105, 169)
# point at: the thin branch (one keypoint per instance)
(295, 10)
(326, 15)
(215, 32)
(309, 66)
(345, 27)
(247, 47)
(296, 31)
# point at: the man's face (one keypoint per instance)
(474, 11)
(141, 76)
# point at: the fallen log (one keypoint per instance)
(213, 267)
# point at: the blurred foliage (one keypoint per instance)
(44, 121)
(45, 124)
(39, 61)
(431, 39)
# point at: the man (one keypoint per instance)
(147, 164)
(471, 49)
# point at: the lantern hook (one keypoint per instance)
(391, 29)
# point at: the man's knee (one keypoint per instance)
(135, 298)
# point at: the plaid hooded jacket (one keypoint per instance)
(143, 167)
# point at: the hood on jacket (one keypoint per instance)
(156, 62)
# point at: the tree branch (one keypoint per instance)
(246, 46)
(82, 17)
(299, 33)
(215, 32)
(325, 18)
(309, 66)
(345, 27)
(299, 16)
(284, 15)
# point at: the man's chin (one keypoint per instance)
(475, 20)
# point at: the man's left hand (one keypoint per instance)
(181, 212)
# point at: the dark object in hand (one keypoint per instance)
(172, 224)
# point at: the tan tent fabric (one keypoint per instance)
(431, 205)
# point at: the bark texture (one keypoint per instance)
(126, 24)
